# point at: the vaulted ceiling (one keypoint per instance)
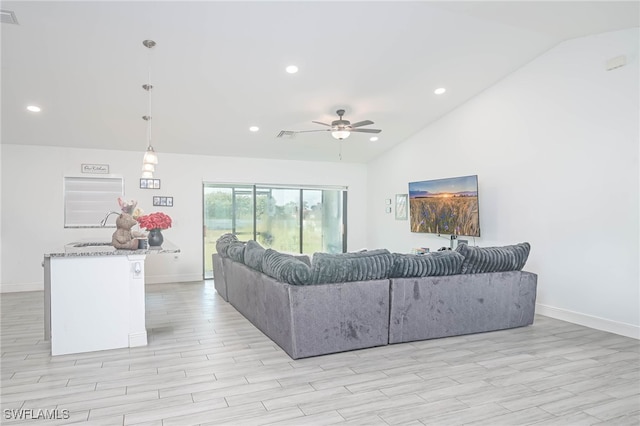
(219, 68)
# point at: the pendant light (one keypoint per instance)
(150, 159)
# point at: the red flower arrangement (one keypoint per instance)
(156, 220)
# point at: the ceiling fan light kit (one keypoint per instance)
(340, 134)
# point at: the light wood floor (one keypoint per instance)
(206, 364)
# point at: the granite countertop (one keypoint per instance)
(94, 248)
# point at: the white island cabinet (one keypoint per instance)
(95, 299)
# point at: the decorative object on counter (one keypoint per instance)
(155, 238)
(149, 183)
(150, 159)
(154, 223)
(420, 250)
(128, 207)
(124, 238)
(163, 201)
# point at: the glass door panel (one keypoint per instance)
(312, 238)
(278, 218)
(226, 209)
(322, 224)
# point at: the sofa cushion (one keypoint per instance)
(235, 251)
(223, 242)
(426, 265)
(346, 267)
(285, 267)
(303, 258)
(253, 254)
(493, 259)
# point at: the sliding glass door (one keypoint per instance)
(288, 219)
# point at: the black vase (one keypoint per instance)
(155, 238)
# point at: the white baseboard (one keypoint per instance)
(165, 279)
(16, 288)
(621, 328)
(137, 339)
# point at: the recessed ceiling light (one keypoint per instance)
(439, 90)
(33, 108)
(373, 138)
(254, 128)
(292, 69)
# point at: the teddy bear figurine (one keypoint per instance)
(127, 206)
(124, 238)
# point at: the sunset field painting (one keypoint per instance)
(445, 206)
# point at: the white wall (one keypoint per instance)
(32, 203)
(555, 147)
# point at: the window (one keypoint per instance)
(88, 199)
(288, 219)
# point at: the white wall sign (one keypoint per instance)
(95, 168)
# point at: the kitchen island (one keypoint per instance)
(95, 297)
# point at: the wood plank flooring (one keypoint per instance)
(206, 364)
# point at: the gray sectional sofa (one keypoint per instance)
(340, 302)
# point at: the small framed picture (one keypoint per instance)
(163, 201)
(388, 210)
(401, 206)
(149, 183)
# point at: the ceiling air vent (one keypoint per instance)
(286, 134)
(8, 17)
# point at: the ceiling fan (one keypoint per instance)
(340, 129)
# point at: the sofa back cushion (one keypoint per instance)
(235, 251)
(253, 254)
(285, 268)
(222, 243)
(426, 265)
(303, 258)
(347, 267)
(493, 259)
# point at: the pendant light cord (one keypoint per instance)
(149, 88)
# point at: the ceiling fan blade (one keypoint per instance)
(324, 124)
(362, 123)
(307, 131)
(366, 130)
(287, 134)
